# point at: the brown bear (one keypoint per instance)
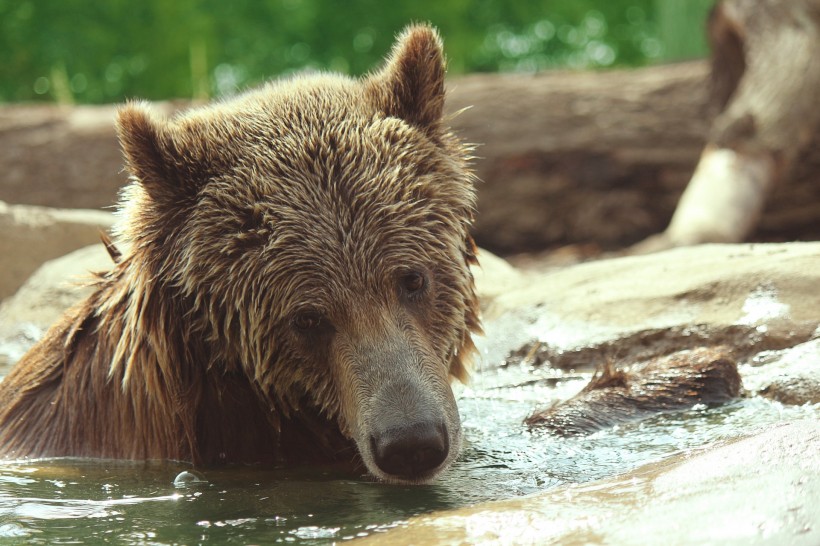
(294, 285)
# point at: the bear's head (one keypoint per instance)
(314, 235)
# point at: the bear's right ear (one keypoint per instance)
(150, 152)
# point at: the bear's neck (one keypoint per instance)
(124, 376)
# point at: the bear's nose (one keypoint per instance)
(411, 451)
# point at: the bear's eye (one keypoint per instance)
(413, 282)
(307, 321)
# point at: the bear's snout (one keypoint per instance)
(408, 429)
(411, 452)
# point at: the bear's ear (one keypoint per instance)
(411, 85)
(151, 153)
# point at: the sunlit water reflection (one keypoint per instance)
(87, 501)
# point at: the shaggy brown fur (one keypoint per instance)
(612, 396)
(294, 285)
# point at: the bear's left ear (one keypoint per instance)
(411, 85)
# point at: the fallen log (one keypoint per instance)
(580, 157)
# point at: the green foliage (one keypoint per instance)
(93, 52)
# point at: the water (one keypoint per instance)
(69, 501)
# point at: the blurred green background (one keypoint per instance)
(84, 51)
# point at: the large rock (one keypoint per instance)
(33, 235)
(763, 489)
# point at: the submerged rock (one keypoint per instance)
(613, 396)
(790, 376)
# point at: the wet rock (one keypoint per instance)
(760, 302)
(33, 235)
(643, 345)
(614, 396)
(760, 489)
(791, 376)
(795, 390)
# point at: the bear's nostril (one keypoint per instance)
(412, 451)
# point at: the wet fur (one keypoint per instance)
(312, 193)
